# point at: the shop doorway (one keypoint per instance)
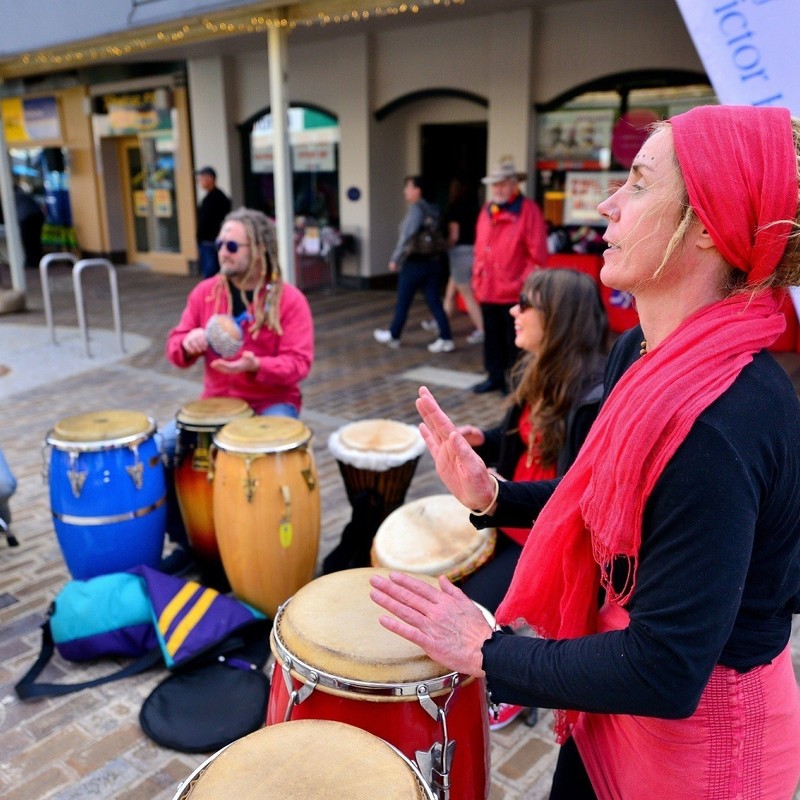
(452, 151)
(147, 173)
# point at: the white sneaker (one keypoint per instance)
(429, 325)
(476, 337)
(385, 337)
(442, 346)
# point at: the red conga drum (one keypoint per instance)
(335, 661)
(379, 457)
(197, 421)
(432, 536)
(307, 760)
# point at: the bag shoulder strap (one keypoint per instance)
(27, 687)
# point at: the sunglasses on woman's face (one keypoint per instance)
(231, 247)
(525, 303)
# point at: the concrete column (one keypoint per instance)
(16, 255)
(282, 163)
(510, 88)
(210, 110)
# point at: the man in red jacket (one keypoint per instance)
(510, 242)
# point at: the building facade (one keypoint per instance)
(111, 125)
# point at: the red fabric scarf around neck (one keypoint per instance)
(595, 514)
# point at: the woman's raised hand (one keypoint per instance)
(462, 471)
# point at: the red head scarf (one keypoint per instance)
(730, 158)
(740, 169)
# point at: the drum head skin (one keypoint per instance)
(332, 625)
(378, 435)
(307, 760)
(102, 426)
(262, 435)
(432, 535)
(213, 411)
(376, 445)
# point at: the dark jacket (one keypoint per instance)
(213, 208)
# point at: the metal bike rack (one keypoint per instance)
(77, 270)
(44, 265)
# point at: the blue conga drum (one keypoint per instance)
(107, 491)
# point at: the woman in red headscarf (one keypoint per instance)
(682, 510)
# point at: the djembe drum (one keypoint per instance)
(335, 661)
(266, 508)
(307, 760)
(377, 456)
(107, 491)
(197, 421)
(432, 536)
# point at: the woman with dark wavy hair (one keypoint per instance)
(562, 330)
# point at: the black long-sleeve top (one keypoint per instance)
(719, 566)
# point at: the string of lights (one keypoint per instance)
(248, 19)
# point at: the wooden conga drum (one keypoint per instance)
(377, 457)
(335, 661)
(432, 536)
(307, 760)
(107, 491)
(197, 421)
(266, 508)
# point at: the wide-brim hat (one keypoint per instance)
(503, 170)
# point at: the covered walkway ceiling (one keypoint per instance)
(234, 28)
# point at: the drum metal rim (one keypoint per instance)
(186, 786)
(127, 516)
(336, 683)
(244, 450)
(98, 445)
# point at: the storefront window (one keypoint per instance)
(587, 145)
(314, 150)
(41, 172)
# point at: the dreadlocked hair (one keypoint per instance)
(570, 358)
(263, 262)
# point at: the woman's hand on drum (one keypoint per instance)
(247, 362)
(444, 622)
(473, 435)
(461, 469)
(195, 342)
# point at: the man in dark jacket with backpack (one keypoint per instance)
(418, 254)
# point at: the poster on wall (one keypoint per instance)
(162, 203)
(30, 119)
(583, 191)
(140, 206)
(575, 136)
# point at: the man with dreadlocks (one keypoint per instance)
(277, 338)
(278, 333)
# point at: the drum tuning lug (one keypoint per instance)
(435, 769)
(308, 475)
(426, 702)
(136, 473)
(76, 480)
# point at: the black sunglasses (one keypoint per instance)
(525, 303)
(231, 247)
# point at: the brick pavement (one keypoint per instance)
(89, 745)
